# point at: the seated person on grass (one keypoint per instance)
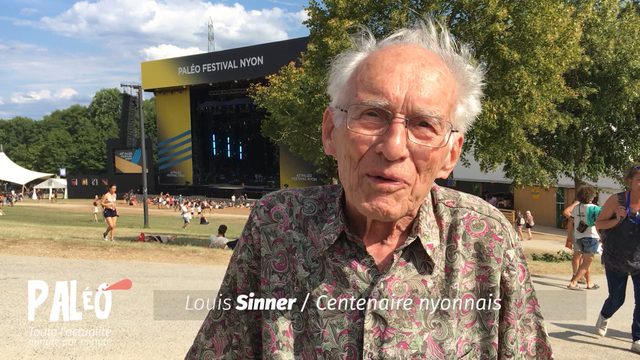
(219, 241)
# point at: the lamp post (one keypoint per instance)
(143, 149)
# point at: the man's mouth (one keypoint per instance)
(385, 179)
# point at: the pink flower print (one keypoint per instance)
(466, 267)
(534, 346)
(522, 273)
(434, 348)
(329, 289)
(460, 345)
(532, 305)
(385, 334)
(218, 345)
(398, 289)
(476, 227)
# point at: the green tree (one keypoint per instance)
(599, 134)
(13, 135)
(51, 151)
(526, 47)
(89, 153)
(73, 138)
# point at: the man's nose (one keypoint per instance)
(394, 142)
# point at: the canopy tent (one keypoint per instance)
(53, 184)
(14, 173)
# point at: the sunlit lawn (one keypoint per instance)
(68, 228)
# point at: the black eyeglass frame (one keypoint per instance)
(406, 125)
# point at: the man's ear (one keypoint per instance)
(328, 142)
(450, 161)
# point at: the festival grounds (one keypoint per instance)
(60, 242)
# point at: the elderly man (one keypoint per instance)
(387, 265)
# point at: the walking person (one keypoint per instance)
(585, 238)
(620, 220)
(110, 212)
(529, 223)
(576, 260)
(185, 215)
(520, 221)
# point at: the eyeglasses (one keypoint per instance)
(423, 130)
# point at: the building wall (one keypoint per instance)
(541, 203)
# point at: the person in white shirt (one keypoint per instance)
(585, 238)
(219, 241)
(185, 215)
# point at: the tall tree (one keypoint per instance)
(74, 137)
(526, 47)
(15, 135)
(599, 133)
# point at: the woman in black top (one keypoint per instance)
(620, 222)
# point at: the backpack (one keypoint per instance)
(521, 221)
(592, 214)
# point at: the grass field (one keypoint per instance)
(67, 230)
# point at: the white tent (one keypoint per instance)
(14, 173)
(53, 184)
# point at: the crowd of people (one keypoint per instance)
(189, 208)
(204, 205)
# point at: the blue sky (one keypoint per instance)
(56, 53)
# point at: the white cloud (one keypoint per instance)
(13, 48)
(165, 51)
(123, 24)
(31, 96)
(127, 32)
(1, 101)
(44, 94)
(28, 11)
(67, 93)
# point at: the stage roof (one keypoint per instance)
(242, 63)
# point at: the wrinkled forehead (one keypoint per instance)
(400, 71)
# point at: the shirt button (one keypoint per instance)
(375, 294)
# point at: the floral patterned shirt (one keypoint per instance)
(458, 288)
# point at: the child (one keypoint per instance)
(95, 211)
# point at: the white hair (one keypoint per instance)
(468, 77)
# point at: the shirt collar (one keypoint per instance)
(425, 227)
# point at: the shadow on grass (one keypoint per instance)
(181, 240)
